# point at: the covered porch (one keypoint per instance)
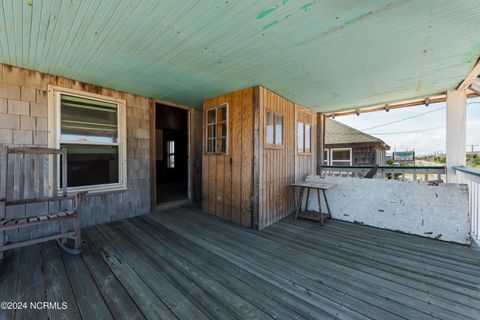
(255, 80)
(183, 264)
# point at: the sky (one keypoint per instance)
(425, 132)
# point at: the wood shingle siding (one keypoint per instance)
(24, 119)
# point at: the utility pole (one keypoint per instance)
(472, 145)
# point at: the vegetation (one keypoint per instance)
(473, 160)
(440, 159)
(391, 163)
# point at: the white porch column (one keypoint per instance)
(456, 131)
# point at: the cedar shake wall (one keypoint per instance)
(24, 122)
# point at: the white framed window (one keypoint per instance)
(93, 130)
(217, 129)
(341, 157)
(304, 138)
(326, 157)
(170, 154)
(273, 129)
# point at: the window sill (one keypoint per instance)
(274, 146)
(215, 154)
(95, 191)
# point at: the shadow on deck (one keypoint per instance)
(183, 264)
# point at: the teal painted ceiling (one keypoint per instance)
(327, 55)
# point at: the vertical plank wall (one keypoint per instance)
(227, 180)
(277, 165)
(306, 164)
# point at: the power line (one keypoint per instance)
(407, 118)
(419, 130)
(403, 132)
(415, 116)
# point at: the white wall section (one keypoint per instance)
(439, 212)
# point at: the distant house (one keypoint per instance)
(346, 146)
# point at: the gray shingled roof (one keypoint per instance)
(337, 133)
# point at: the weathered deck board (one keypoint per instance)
(89, 298)
(290, 265)
(152, 306)
(115, 295)
(181, 264)
(57, 285)
(30, 283)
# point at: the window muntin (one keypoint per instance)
(92, 129)
(222, 128)
(273, 129)
(211, 130)
(304, 138)
(341, 157)
(326, 157)
(217, 129)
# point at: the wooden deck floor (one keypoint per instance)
(187, 265)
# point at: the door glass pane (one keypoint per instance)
(85, 119)
(91, 165)
(279, 130)
(300, 142)
(269, 128)
(307, 138)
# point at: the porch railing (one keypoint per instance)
(471, 177)
(423, 173)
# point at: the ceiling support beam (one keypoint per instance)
(403, 104)
(471, 77)
(475, 86)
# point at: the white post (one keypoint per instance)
(456, 132)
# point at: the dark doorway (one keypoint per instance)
(172, 153)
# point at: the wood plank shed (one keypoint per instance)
(251, 155)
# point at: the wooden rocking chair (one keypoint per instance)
(25, 181)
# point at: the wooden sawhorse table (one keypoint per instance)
(319, 187)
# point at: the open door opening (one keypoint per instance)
(171, 126)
